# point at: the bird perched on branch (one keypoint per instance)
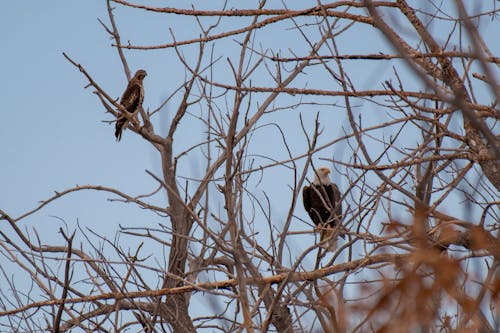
(131, 101)
(322, 202)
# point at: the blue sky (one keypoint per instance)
(53, 135)
(56, 138)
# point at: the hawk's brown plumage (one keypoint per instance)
(322, 202)
(131, 100)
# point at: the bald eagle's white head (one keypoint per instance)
(322, 176)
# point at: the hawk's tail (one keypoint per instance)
(120, 123)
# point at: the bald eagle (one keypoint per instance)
(322, 202)
(131, 100)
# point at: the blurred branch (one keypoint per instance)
(204, 287)
(57, 319)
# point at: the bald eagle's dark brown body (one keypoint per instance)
(322, 203)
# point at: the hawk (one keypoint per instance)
(131, 101)
(322, 202)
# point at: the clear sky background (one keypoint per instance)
(53, 136)
(56, 138)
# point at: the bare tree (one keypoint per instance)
(276, 92)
